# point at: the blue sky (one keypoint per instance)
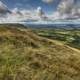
(32, 4)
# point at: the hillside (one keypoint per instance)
(26, 56)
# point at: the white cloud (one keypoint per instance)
(66, 10)
(66, 6)
(17, 15)
(41, 14)
(47, 1)
(16, 11)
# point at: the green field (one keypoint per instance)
(69, 37)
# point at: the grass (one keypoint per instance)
(26, 56)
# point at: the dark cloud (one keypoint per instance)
(4, 9)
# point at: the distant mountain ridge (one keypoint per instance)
(63, 26)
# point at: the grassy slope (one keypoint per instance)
(26, 56)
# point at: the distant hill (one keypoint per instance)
(54, 26)
(26, 56)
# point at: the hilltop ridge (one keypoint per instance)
(27, 56)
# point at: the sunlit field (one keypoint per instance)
(69, 37)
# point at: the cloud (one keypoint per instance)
(14, 15)
(48, 1)
(16, 11)
(66, 6)
(17, 15)
(66, 10)
(4, 9)
(41, 14)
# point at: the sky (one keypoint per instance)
(39, 9)
(47, 5)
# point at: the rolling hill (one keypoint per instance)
(27, 56)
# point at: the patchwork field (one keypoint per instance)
(69, 37)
